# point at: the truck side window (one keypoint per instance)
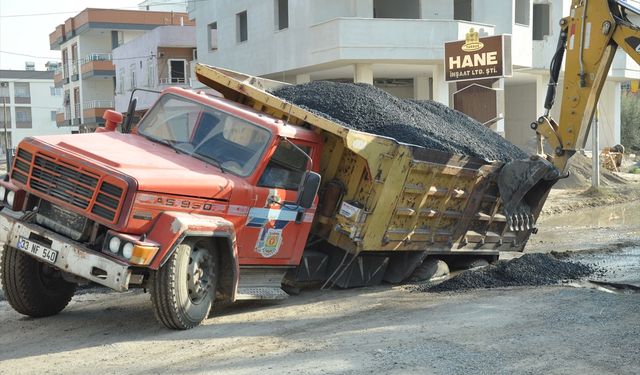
(286, 167)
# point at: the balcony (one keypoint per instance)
(97, 65)
(63, 117)
(387, 39)
(58, 77)
(93, 110)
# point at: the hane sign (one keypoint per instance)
(477, 58)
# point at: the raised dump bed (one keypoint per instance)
(380, 195)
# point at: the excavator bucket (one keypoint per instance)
(524, 186)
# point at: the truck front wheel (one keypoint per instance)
(31, 287)
(183, 289)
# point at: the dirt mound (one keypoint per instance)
(580, 174)
(528, 270)
(425, 123)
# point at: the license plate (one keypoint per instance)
(39, 251)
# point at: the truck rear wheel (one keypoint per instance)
(33, 288)
(183, 290)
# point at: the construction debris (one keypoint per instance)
(425, 123)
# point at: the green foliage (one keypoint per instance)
(630, 121)
(635, 170)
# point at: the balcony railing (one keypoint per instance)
(92, 104)
(97, 57)
(175, 81)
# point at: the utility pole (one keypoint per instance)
(6, 133)
(595, 150)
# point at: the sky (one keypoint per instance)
(25, 26)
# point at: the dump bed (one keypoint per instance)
(381, 195)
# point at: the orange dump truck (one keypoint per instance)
(219, 199)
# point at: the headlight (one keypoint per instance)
(127, 250)
(114, 244)
(10, 196)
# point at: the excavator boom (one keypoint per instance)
(588, 40)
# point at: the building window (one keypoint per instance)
(177, 71)
(53, 115)
(213, 36)
(65, 64)
(281, 14)
(522, 12)
(4, 91)
(117, 38)
(132, 76)
(541, 21)
(121, 82)
(151, 78)
(23, 117)
(55, 91)
(407, 9)
(3, 119)
(241, 27)
(22, 92)
(462, 10)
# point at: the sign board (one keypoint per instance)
(477, 58)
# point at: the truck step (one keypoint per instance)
(260, 293)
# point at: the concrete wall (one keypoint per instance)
(523, 98)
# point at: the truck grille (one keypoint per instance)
(68, 183)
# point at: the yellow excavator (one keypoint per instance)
(589, 37)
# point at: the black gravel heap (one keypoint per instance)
(421, 122)
(528, 270)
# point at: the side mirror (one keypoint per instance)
(308, 189)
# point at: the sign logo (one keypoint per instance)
(477, 58)
(472, 42)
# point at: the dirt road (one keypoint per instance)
(557, 329)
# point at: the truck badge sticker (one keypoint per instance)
(269, 242)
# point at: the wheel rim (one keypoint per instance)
(199, 275)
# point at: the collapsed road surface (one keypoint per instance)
(425, 123)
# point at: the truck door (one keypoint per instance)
(276, 229)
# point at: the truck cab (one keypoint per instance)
(200, 188)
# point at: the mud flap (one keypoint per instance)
(524, 185)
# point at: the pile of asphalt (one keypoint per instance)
(528, 270)
(420, 122)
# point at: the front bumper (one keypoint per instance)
(72, 258)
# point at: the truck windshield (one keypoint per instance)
(231, 143)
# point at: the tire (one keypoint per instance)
(31, 287)
(430, 269)
(183, 290)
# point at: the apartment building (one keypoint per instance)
(87, 76)
(28, 105)
(172, 52)
(397, 46)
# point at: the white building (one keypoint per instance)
(396, 45)
(169, 52)
(30, 101)
(87, 74)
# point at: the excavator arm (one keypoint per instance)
(589, 38)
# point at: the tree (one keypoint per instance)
(630, 118)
